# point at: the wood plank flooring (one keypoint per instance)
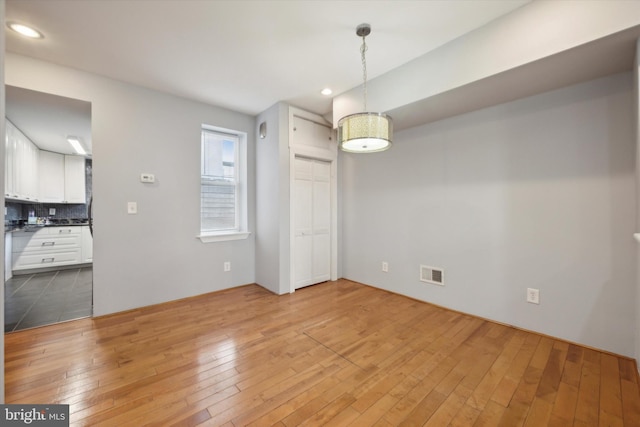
(338, 353)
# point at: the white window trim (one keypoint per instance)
(223, 237)
(243, 231)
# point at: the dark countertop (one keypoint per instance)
(33, 227)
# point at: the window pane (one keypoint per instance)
(218, 191)
(218, 156)
(218, 207)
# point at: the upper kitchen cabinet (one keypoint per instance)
(9, 160)
(21, 165)
(74, 180)
(51, 177)
(62, 178)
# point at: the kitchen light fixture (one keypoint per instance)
(25, 30)
(365, 132)
(326, 91)
(75, 143)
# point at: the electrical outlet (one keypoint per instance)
(533, 296)
(52, 211)
(132, 208)
(385, 266)
(227, 266)
(147, 178)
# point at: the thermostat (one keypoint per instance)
(147, 177)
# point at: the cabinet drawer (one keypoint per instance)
(60, 231)
(36, 260)
(45, 242)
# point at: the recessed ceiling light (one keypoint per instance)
(75, 143)
(326, 91)
(25, 30)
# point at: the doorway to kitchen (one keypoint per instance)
(48, 189)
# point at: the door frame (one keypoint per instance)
(329, 154)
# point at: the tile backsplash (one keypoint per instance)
(63, 210)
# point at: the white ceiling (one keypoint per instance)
(243, 55)
(48, 119)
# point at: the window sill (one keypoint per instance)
(223, 237)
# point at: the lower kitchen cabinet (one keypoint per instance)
(87, 244)
(8, 243)
(47, 247)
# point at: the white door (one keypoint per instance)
(312, 222)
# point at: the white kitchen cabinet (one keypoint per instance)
(74, 180)
(9, 161)
(21, 165)
(62, 178)
(8, 239)
(30, 172)
(87, 244)
(51, 177)
(47, 247)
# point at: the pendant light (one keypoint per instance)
(365, 132)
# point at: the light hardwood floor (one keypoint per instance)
(338, 353)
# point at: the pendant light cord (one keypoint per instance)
(363, 49)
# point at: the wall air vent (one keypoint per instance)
(432, 275)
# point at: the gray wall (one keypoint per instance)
(535, 193)
(272, 201)
(153, 256)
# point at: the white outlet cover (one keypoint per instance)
(132, 208)
(147, 178)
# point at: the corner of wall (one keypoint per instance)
(267, 251)
(284, 199)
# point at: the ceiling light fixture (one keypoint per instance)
(326, 91)
(75, 143)
(25, 30)
(365, 132)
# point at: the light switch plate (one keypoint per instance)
(52, 211)
(533, 296)
(132, 208)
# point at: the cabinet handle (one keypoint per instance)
(48, 243)
(65, 230)
(44, 260)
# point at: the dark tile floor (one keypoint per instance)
(44, 298)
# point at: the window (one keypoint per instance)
(222, 185)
